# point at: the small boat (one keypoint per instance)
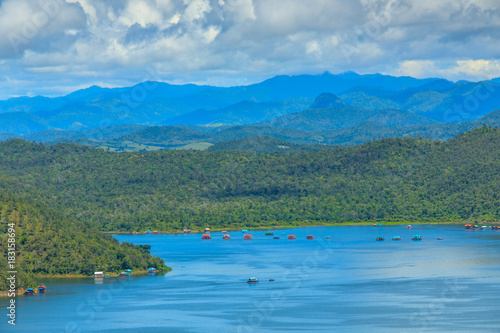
(207, 230)
(224, 232)
(128, 271)
(469, 226)
(123, 274)
(106, 276)
(253, 280)
(292, 237)
(283, 234)
(269, 233)
(29, 291)
(440, 238)
(41, 288)
(408, 226)
(206, 236)
(155, 232)
(187, 231)
(276, 237)
(416, 237)
(475, 226)
(244, 231)
(328, 237)
(271, 280)
(380, 238)
(152, 270)
(495, 227)
(148, 232)
(396, 238)
(248, 236)
(99, 275)
(310, 237)
(226, 236)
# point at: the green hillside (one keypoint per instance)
(400, 180)
(49, 244)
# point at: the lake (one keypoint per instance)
(349, 283)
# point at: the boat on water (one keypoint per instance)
(206, 236)
(469, 226)
(378, 225)
(123, 274)
(148, 232)
(244, 231)
(248, 236)
(253, 280)
(310, 237)
(29, 291)
(41, 288)
(396, 238)
(440, 238)
(269, 233)
(380, 238)
(128, 271)
(328, 237)
(408, 226)
(226, 236)
(276, 237)
(495, 227)
(292, 237)
(416, 237)
(152, 270)
(224, 232)
(99, 275)
(207, 230)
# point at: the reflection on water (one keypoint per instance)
(349, 283)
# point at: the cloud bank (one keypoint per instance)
(52, 47)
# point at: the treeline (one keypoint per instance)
(47, 243)
(402, 180)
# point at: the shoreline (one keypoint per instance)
(20, 291)
(201, 231)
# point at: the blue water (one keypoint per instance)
(350, 283)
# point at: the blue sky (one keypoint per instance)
(53, 47)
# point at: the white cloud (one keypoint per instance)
(233, 41)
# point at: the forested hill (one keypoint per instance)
(401, 180)
(49, 244)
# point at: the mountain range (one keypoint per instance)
(340, 109)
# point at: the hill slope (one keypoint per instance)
(386, 180)
(49, 244)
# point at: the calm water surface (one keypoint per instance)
(349, 283)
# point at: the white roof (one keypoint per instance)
(98, 273)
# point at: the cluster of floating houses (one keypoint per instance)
(248, 236)
(127, 272)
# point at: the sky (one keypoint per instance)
(53, 47)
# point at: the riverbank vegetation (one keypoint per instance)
(49, 244)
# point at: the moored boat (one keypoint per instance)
(416, 237)
(206, 236)
(276, 237)
(224, 232)
(269, 233)
(495, 227)
(291, 237)
(148, 232)
(244, 231)
(248, 236)
(99, 275)
(226, 236)
(380, 238)
(29, 291)
(152, 270)
(408, 226)
(128, 271)
(468, 226)
(310, 237)
(41, 288)
(396, 238)
(253, 280)
(207, 230)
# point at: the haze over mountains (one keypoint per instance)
(328, 109)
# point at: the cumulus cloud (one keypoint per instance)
(78, 42)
